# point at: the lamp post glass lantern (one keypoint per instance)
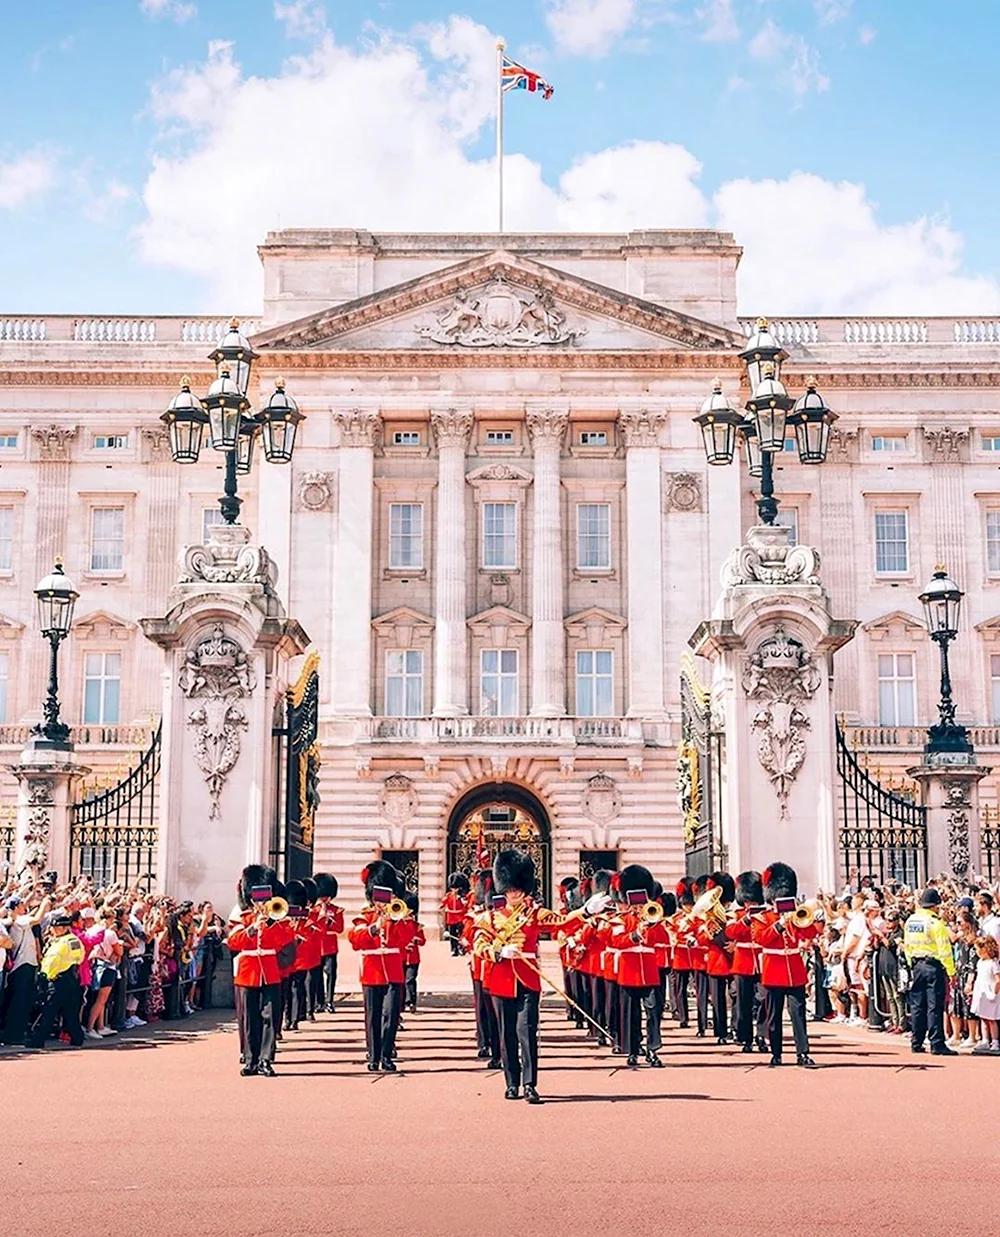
(769, 414)
(232, 427)
(942, 602)
(55, 598)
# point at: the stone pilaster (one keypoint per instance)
(640, 430)
(451, 427)
(352, 584)
(547, 428)
(950, 793)
(44, 798)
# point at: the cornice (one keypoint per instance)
(52, 376)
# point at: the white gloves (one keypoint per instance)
(509, 951)
(596, 904)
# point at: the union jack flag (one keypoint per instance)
(515, 76)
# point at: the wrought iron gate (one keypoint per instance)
(297, 763)
(406, 862)
(592, 861)
(989, 823)
(699, 777)
(883, 834)
(113, 835)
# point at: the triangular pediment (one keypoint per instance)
(102, 625)
(402, 616)
(896, 625)
(989, 629)
(500, 471)
(10, 628)
(499, 301)
(595, 617)
(499, 617)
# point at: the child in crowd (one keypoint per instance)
(986, 994)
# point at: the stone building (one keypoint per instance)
(499, 529)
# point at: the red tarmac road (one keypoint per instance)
(158, 1134)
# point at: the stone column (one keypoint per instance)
(547, 428)
(951, 796)
(640, 430)
(771, 640)
(451, 427)
(44, 798)
(352, 583)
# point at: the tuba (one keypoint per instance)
(709, 908)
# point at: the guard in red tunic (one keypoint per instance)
(699, 963)
(718, 958)
(487, 1023)
(331, 919)
(509, 936)
(634, 939)
(594, 956)
(455, 905)
(257, 942)
(570, 900)
(411, 959)
(664, 962)
(746, 962)
(783, 968)
(381, 941)
(307, 953)
(679, 931)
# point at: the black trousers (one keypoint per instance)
(635, 1002)
(487, 1024)
(454, 936)
(796, 998)
(751, 1010)
(598, 1001)
(701, 1000)
(294, 999)
(410, 986)
(63, 1000)
(18, 998)
(613, 1011)
(315, 988)
(261, 1008)
(240, 1002)
(518, 1019)
(581, 994)
(329, 980)
(928, 984)
(680, 982)
(381, 1020)
(718, 989)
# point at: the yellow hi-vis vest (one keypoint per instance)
(925, 936)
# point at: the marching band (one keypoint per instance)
(627, 948)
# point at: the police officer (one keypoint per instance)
(927, 947)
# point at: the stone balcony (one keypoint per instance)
(864, 738)
(792, 332)
(134, 738)
(562, 732)
(203, 331)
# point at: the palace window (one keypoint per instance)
(499, 438)
(993, 542)
(6, 538)
(593, 438)
(789, 445)
(593, 535)
(788, 517)
(8, 442)
(995, 687)
(111, 442)
(500, 535)
(891, 444)
(102, 686)
(4, 671)
(594, 682)
(896, 690)
(406, 535)
(404, 683)
(498, 683)
(211, 517)
(406, 438)
(891, 541)
(107, 539)
(990, 442)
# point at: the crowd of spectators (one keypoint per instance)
(864, 975)
(83, 963)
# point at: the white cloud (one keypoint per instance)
(178, 10)
(302, 19)
(589, 27)
(799, 61)
(102, 205)
(24, 177)
(720, 21)
(866, 35)
(400, 162)
(830, 11)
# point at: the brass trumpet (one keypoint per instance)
(394, 910)
(274, 908)
(803, 916)
(650, 913)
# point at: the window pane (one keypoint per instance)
(414, 695)
(490, 661)
(891, 552)
(508, 661)
(604, 661)
(395, 662)
(394, 696)
(593, 535)
(406, 526)
(107, 548)
(92, 700)
(508, 695)
(907, 711)
(584, 695)
(584, 661)
(603, 696)
(211, 517)
(788, 517)
(886, 703)
(994, 693)
(112, 665)
(499, 535)
(886, 665)
(993, 541)
(6, 538)
(414, 661)
(112, 698)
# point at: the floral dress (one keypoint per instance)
(155, 1003)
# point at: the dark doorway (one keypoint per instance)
(496, 816)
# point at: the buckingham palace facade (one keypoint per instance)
(499, 529)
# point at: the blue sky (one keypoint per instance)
(149, 144)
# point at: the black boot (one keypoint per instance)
(512, 1093)
(654, 1060)
(266, 1068)
(747, 1048)
(774, 1061)
(531, 1095)
(806, 1061)
(388, 1066)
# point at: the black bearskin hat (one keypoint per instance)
(600, 882)
(749, 890)
(482, 884)
(312, 892)
(669, 902)
(460, 882)
(254, 874)
(634, 877)
(326, 885)
(779, 881)
(657, 890)
(723, 881)
(699, 885)
(296, 893)
(570, 887)
(513, 869)
(380, 873)
(413, 902)
(683, 891)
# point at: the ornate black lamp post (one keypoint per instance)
(56, 598)
(770, 413)
(232, 427)
(942, 602)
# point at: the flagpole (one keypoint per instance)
(500, 51)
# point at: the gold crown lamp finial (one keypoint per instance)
(762, 324)
(768, 370)
(234, 323)
(279, 384)
(812, 382)
(186, 382)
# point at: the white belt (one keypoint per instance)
(258, 953)
(782, 953)
(379, 951)
(521, 954)
(638, 949)
(749, 945)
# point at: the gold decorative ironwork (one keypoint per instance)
(298, 691)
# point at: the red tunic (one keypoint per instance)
(332, 923)
(381, 953)
(309, 935)
(746, 955)
(782, 964)
(636, 960)
(680, 955)
(504, 974)
(412, 955)
(454, 907)
(257, 950)
(717, 960)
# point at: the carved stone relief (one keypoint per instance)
(640, 428)
(602, 800)
(53, 440)
(227, 562)
(316, 491)
(767, 558)
(683, 491)
(398, 800)
(500, 317)
(359, 427)
(781, 676)
(218, 674)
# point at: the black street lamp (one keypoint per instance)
(770, 413)
(232, 427)
(942, 602)
(56, 598)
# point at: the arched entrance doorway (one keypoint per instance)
(494, 816)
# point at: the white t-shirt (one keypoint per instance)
(104, 951)
(857, 927)
(990, 926)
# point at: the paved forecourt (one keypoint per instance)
(158, 1134)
